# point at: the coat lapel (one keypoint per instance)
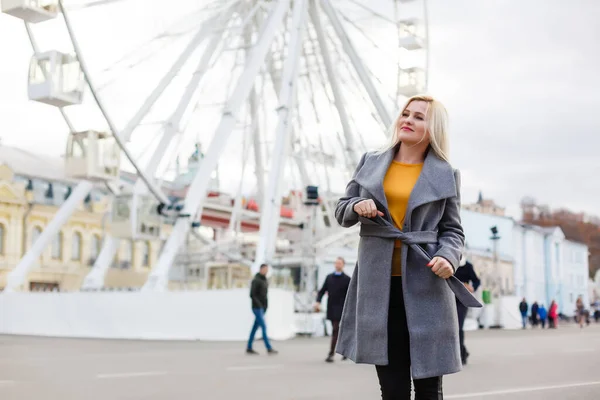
(371, 175)
(436, 182)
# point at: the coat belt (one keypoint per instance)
(414, 239)
(391, 232)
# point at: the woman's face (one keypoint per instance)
(411, 126)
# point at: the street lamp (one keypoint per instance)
(494, 238)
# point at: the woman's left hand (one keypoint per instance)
(441, 267)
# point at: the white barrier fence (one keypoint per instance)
(223, 315)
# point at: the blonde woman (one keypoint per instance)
(400, 312)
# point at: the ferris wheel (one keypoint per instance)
(272, 95)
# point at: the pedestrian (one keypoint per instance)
(259, 294)
(534, 314)
(523, 307)
(466, 274)
(543, 315)
(580, 311)
(553, 315)
(400, 311)
(336, 286)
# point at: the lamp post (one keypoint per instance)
(497, 280)
(307, 283)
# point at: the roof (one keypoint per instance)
(41, 166)
(31, 165)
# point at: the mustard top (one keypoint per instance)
(398, 183)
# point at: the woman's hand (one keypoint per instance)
(441, 267)
(367, 208)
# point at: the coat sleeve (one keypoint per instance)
(344, 211)
(474, 278)
(451, 237)
(323, 290)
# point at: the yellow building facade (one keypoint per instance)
(27, 205)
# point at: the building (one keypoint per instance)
(32, 188)
(573, 276)
(485, 206)
(549, 267)
(538, 263)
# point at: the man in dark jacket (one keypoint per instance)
(523, 308)
(466, 274)
(336, 286)
(258, 293)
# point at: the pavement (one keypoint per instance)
(525, 364)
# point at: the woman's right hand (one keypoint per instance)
(367, 208)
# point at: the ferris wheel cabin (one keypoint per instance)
(412, 81)
(55, 78)
(135, 216)
(93, 156)
(32, 11)
(410, 35)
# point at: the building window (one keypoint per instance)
(57, 246)
(127, 254)
(76, 247)
(145, 254)
(35, 234)
(2, 235)
(95, 246)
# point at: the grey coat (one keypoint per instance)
(432, 228)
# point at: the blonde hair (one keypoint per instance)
(436, 122)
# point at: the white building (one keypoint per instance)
(534, 262)
(531, 261)
(573, 276)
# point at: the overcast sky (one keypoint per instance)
(520, 79)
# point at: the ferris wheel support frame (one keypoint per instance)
(270, 215)
(95, 278)
(158, 279)
(356, 62)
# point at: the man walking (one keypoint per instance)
(258, 293)
(466, 274)
(336, 286)
(523, 308)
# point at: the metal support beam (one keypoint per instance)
(257, 146)
(356, 62)
(16, 278)
(270, 215)
(204, 31)
(333, 82)
(158, 279)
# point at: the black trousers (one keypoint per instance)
(334, 336)
(395, 378)
(462, 314)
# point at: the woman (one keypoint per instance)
(580, 311)
(553, 315)
(400, 311)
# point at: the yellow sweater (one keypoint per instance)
(397, 185)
